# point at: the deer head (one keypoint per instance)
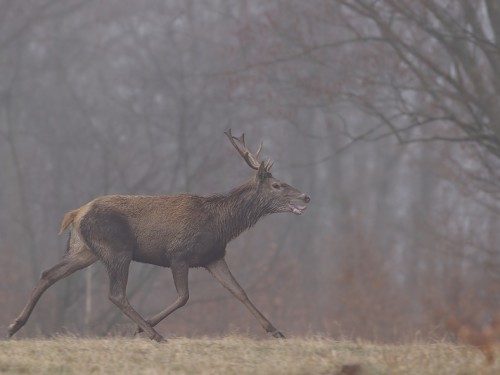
(277, 195)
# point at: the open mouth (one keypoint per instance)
(297, 207)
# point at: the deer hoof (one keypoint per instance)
(158, 338)
(138, 330)
(14, 327)
(278, 334)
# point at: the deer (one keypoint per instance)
(179, 232)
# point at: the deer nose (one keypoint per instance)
(306, 198)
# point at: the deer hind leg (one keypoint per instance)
(180, 274)
(110, 237)
(118, 275)
(74, 260)
(220, 271)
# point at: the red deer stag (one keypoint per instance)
(176, 231)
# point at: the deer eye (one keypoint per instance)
(276, 186)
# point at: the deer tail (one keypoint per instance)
(67, 220)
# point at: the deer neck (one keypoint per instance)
(240, 209)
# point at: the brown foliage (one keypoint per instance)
(486, 339)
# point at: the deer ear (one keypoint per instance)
(262, 172)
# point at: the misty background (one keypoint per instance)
(385, 112)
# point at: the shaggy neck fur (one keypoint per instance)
(239, 210)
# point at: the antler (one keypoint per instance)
(251, 159)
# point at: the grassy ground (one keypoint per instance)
(237, 355)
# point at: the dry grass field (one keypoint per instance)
(237, 355)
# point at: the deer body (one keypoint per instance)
(158, 230)
(176, 231)
(161, 229)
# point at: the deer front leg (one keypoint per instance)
(180, 274)
(220, 271)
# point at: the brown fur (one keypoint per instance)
(67, 220)
(176, 231)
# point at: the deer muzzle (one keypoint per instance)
(299, 204)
